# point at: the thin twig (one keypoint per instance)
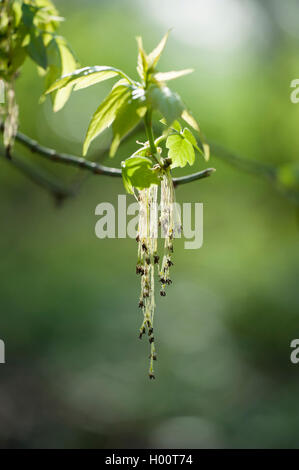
(95, 168)
(193, 177)
(66, 158)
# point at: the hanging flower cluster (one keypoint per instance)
(146, 173)
(148, 263)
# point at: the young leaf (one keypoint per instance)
(28, 13)
(187, 116)
(166, 76)
(85, 77)
(137, 173)
(127, 118)
(142, 60)
(181, 151)
(155, 55)
(61, 61)
(105, 114)
(37, 50)
(167, 102)
(187, 134)
(176, 126)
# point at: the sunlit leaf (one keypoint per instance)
(137, 173)
(105, 114)
(181, 151)
(61, 62)
(176, 126)
(166, 76)
(187, 116)
(85, 77)
(190, 137)
(127, 118)
(155, 55)
(142, 61)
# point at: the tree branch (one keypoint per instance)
(193, 177)
(53, 155)
(95, 168)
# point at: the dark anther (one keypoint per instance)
(168, 281)
(162, 293)
(148, 323)
(141, 304)
(137, 239)
(162, 280)
(144, 247)
(169, 262)
(150, 331)
(151, 375)
(156, 259)
(142, 332)
(151, 340)
(148, 260)
(154, 356)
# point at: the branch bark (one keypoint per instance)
(93, 167)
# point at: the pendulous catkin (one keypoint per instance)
(148, 257)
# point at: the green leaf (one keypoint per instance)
(181, 151)
(142, 61)
(176, 126)
(187, 134)
(137, 173)
(166, 76)
(37, 50)
(28, 13)
(85, 77)
(167, 102)
(187, 116)
(105, 114)
(127, 118)
(17, 12)
(61, 61)
(155, 55)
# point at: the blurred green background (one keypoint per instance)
(76, 373)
